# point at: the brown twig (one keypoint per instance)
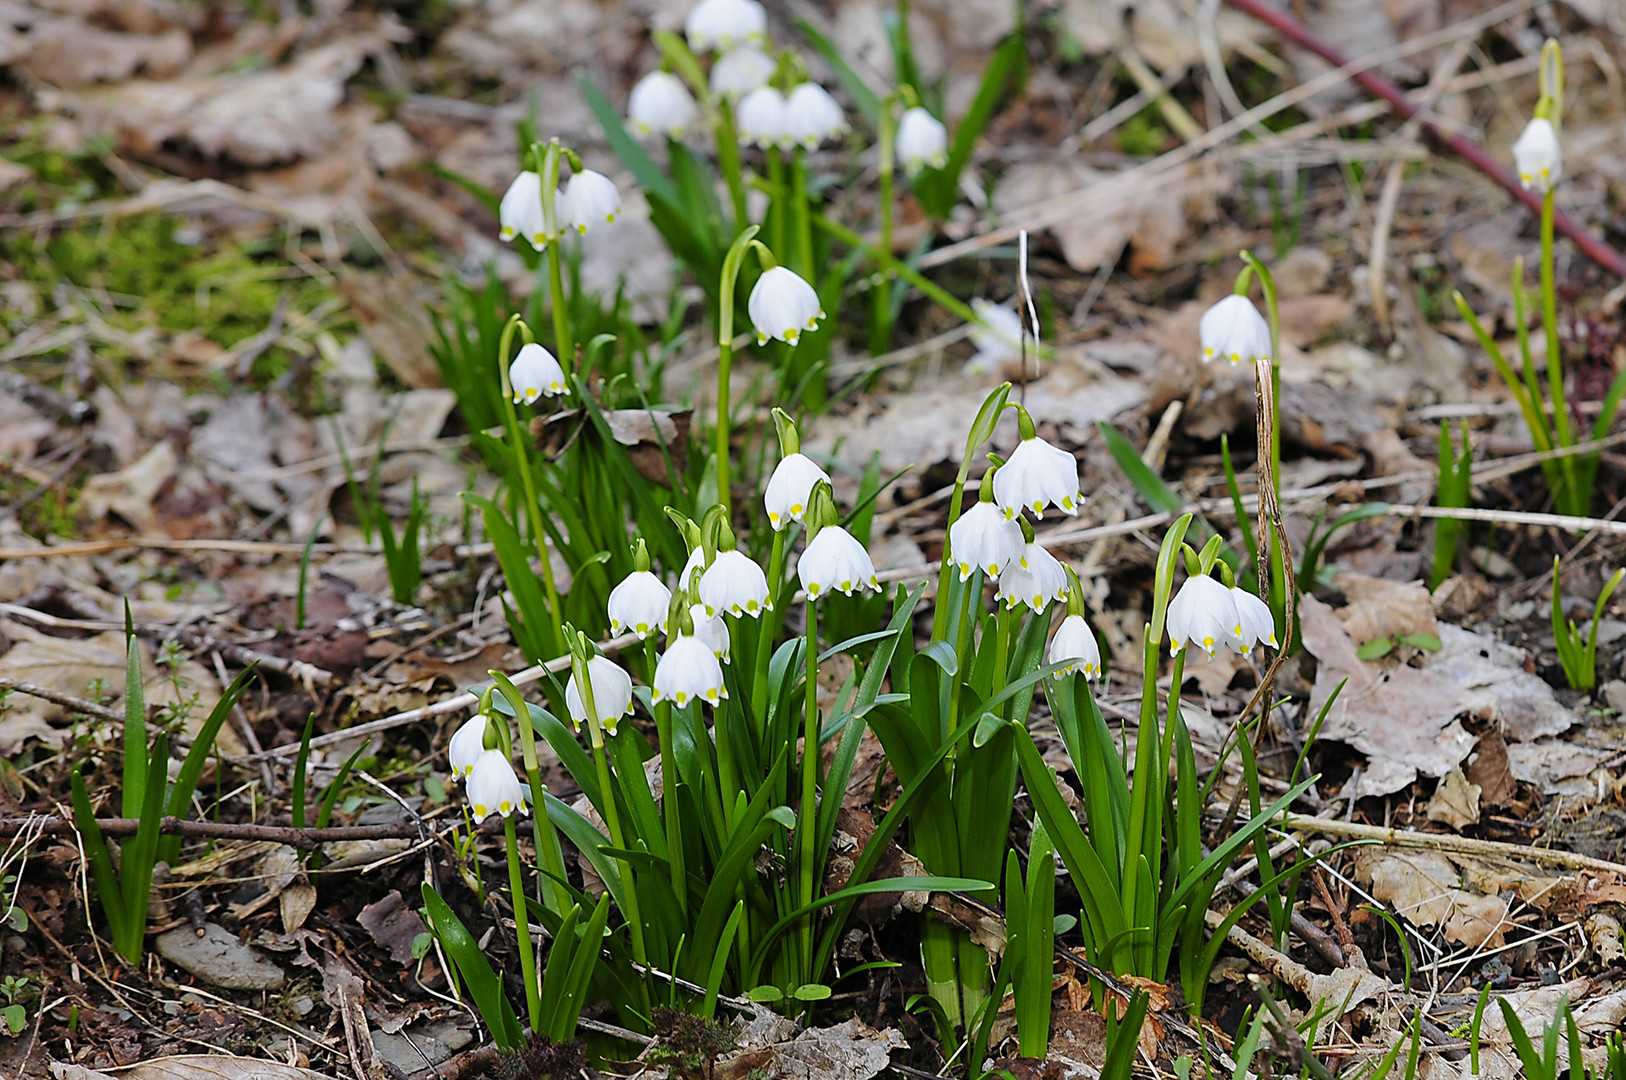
(1470, 151)
(67, 701)
(308, 839)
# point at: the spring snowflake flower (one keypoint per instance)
(741, 71)
(535, 373)
(735, 584)
(922, 140)
(493, 787)
(1204, 613)
(984, 538)
(590, 197)
(520, 212)
(468, 743)
(1537, 156)
(836, 560)
(612, 694)
(812, 115)
(998, 337)
(1234, 329)
(726, 24)
(1034, 578)
(660, 105)
(639, 604)
(689, 671)
(712, 631)
(1254, 616)
(782, 306)
(1075, 642)
(760, 118)
(789, 489)
(1036, 476)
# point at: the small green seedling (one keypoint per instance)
(1578, 655)
(1378, 648)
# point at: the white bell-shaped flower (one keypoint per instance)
(735, 584)
(812, 115)
(1036, 476)
(789, 489)
(612, 694)
(1075, 642)
(520, 212)
(1034, 578)
(494, 788)
(712, 631)
(740, 71)
(1203, 613)
(836, 560)
(689, 671)
(725, 24)
(1537, 156)
(590, 198)
(639, 605)
(535, 373)
(1254, 616)
(922, 140)
(760, 118)
(468, 743)
(984, 538)
(783, 306)
(1234, 330)
(661, 105)
(998, 337)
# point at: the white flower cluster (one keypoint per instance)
(492, 784)
(1206, 614)
(588, 198)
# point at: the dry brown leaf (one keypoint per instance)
(71, 52)
(69, 667)
(1455, 802)
(130, 492)
(1424, 886)
(1381, 608)
(1402, 718)
(392, 925)
(191, 1067)
(851, 1050)
(1497, 686)
(254, 117)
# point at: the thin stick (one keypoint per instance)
(1595, 249)
(308, 839)
(1464, 845)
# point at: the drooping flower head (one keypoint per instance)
(712, 631)
(688, 671)
(1234, 330)
(735, 584)
(922, 140)
(812, 116)
(983, 537)
(590, 198)
(520, 212)
(1537, 156)
(835, 560)
(1075, 642)
(740, 71)
(1254, 616)
(783, 306)
(789, 489)
(1204, 613)
(612, 694)
(1034, 578)
(639, 605)
(726, 24)
(494, 788)
(661, 105)
(468, 743)
(535, 373)
(760, 118)
(1037, 475)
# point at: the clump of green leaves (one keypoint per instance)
(1453, 490)
(1578, 655)
(689, 1045)
(1378, 648)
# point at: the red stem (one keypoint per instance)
(1470, 151)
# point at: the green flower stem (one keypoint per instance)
(807, 819)
(522, 462)
(728, 163)
(1002, 648)
(893, 266)
(549, 171)
(522, 926)
(804, 222)
(612, 818)
(776, 194)
(725, 356)
(880, 338)
(670, 810)
(1564, 434)
(767, 631)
